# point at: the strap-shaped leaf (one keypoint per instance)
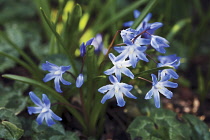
(119, 15)
(146, 10)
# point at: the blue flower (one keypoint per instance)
(158, 43)
(119, 67)
(159, 86)
(172, 61)
(80, 80)
(43, 109)
(83, 47)
(98, 45)
(116, 89)
(136, 14)
(55, 72)
(133, 51)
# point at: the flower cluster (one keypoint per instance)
(136, 43)
(56, 73)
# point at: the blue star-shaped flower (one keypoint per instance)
(132, 51)
(159, 86)
(119, 67)
(116, 89)
(55, 72)
(45, 113)
(170, 60)
(158, 43)
(136, 14)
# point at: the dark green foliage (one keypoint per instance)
(165, 124)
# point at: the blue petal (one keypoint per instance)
(35, 99)
(128, 24)
(173, 74)
(164, 77)
(110, 71)
(128, 73)
(120, 100)
(113, 79)
(46, 100)
(80, 80)
(149, 94)
(141, 49)
(156, 98)
(89, 42)
(136, 13)
(54, 116)
(126, 86)
(64, 81)
(122, 56)
(147, 18)
(65, 68)
(57, 85)
(105, 88)
(48, 119)
(142, 41)
(120, 49)
(112, 57)
(48, 77)
(170, 84)
(142, 56)
(40, 118)
(49, 66)
(109, 95)
(168, 94)
(34, 110)
(156, 25)
(82, 49)
(133, 60)
(129, 95)
(154, 79)
(118, 74)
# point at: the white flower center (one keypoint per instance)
(158, 86)
(58, 72)
(131, 50)
(116, 89)
(45, 109)
(119, 66)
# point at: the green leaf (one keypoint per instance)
(160, 124)
(60, 40)
(71, 29)
(10, 126)
(51, 91)
(15, 132)
(199, 129)
(152, 71)
(10, 95)
(17, 60)
(55, 132)
(177, 27)
(119, 15)
(146, 10)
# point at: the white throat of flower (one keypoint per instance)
(58, 72)
(131, 50)
(116, 88)
(158, 86)
(45, 109)
(119, 66)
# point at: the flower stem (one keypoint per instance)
(145, 79)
